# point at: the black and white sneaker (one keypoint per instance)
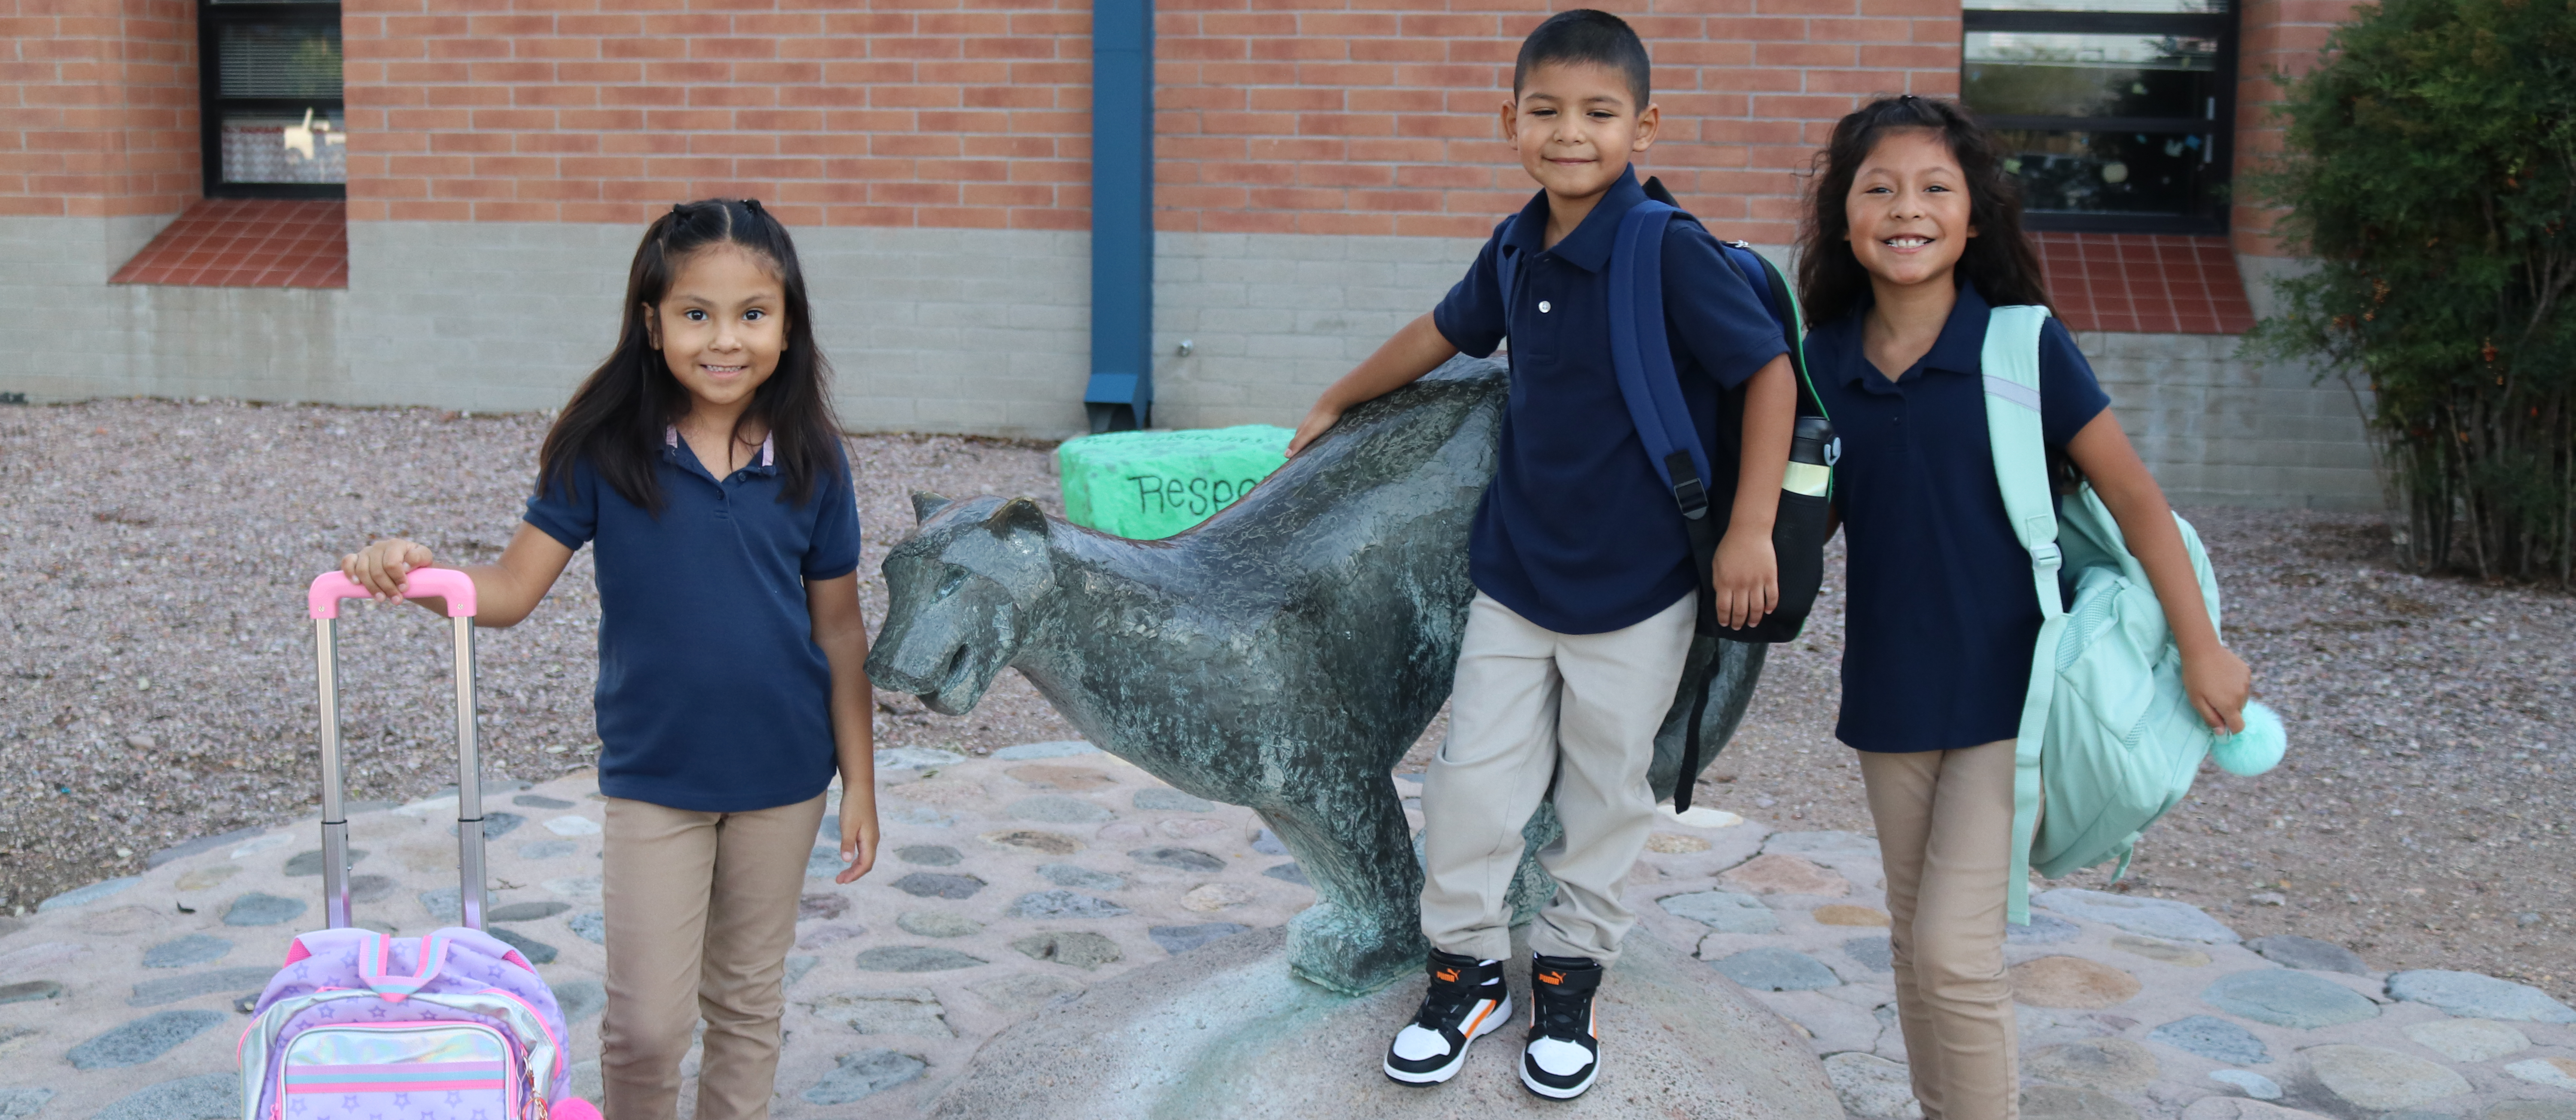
(1467, 1000)
(1564, 1049)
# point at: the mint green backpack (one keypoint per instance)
(2106, 730)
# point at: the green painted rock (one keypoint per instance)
(1149, 485)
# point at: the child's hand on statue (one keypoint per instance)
(1319, 419)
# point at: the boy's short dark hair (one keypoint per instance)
(1586, 36)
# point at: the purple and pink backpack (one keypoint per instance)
(362, 1026)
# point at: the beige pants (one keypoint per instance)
(701, 912)
(1532, 707)
(1945, 835)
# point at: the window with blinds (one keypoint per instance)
(2117, 115)
(274, 126)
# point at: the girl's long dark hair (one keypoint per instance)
(1999, 260)
(617, 417)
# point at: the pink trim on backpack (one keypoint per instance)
(563, 1057)
(376, 967)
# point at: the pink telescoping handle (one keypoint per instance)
(323, 602)
(323, 599)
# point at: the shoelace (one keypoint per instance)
(1560, 1014)
(1445, 1003)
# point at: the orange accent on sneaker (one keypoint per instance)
(1480, 1017)
(1551, 978)
(1447, 975)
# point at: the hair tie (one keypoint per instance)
(751, 204)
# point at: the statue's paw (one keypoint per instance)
(1353, 953)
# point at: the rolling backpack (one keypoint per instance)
(1641, 358)
(360, 1025)
(2107, 733)
(452, 1026)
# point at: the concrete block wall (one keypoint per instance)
(102, 340)
(948, 330)
(2220, 430)
(973, 331)
(1273, 318)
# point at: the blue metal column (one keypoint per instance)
(1120, 396)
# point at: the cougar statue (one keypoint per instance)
(1283, 655)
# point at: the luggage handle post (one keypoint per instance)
(322, 601)
(335, 817)
(469, 783)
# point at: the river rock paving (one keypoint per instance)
(181, 952)
(2288, 999)
(2481, 997)
(2309, 953)
(2172, 1018)
(2213, 1038)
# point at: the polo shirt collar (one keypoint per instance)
(1960, 349)
(768, 463)
(1962, 345)
(1588, 247)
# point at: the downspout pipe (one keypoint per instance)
(1120, 396)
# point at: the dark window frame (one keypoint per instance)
(212, 17)
(2220, 125)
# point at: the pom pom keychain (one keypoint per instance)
(2257, 748)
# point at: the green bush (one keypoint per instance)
(2430, 171)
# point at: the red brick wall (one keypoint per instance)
(2282, 36)
(1328, 116)
(1380, 116)
(887, 113)
(98, 107)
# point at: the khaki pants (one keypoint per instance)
(701, 912)
(1533, 706)
(1945, 836)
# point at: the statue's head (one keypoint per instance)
(959, 592)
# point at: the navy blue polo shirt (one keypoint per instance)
(1578, 533)
(1940, 618)
(712, 694)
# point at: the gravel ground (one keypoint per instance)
(2422, 816)
(156, 665)
(2421, 819)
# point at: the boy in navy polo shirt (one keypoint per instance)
(1584, 607)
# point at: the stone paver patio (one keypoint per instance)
(1011, 881)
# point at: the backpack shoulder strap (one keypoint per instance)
(1642, 358)
(2010, 363)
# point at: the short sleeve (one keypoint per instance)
(1713, 311)
(1471, 315)
(2069, 395)
(833, 551)
(572, 519)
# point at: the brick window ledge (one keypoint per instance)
(2145, 283)
(248, 243)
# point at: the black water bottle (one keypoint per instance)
(1812, 452)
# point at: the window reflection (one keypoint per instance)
(2080, 75)
(276, 105)
(266, 148)
(2131, 173)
